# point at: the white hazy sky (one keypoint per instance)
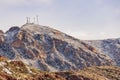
(84, 19)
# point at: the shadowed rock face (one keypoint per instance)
(49, 50)
(1, 37)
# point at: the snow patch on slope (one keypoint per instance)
(7, 70)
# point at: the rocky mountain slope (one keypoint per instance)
(17, 70)
(48, 49)
(110, 47)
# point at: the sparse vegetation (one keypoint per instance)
(20, 71)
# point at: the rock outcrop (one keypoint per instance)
(1, 37)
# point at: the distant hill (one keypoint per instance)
(110, 47)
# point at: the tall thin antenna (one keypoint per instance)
(27, 20)
(37, 18)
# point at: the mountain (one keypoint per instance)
(48, 49)
(110, 47)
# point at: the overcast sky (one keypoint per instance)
(83, 19)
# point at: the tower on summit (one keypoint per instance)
(35, 19)
(28, 19)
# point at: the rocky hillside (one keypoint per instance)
(48, 49)
(17, 70)
(110, 47)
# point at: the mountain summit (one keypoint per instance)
(48, 49)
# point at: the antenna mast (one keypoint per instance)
(37, 17)
(27, 18)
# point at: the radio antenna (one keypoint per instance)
(27, 18)
(37, 18)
